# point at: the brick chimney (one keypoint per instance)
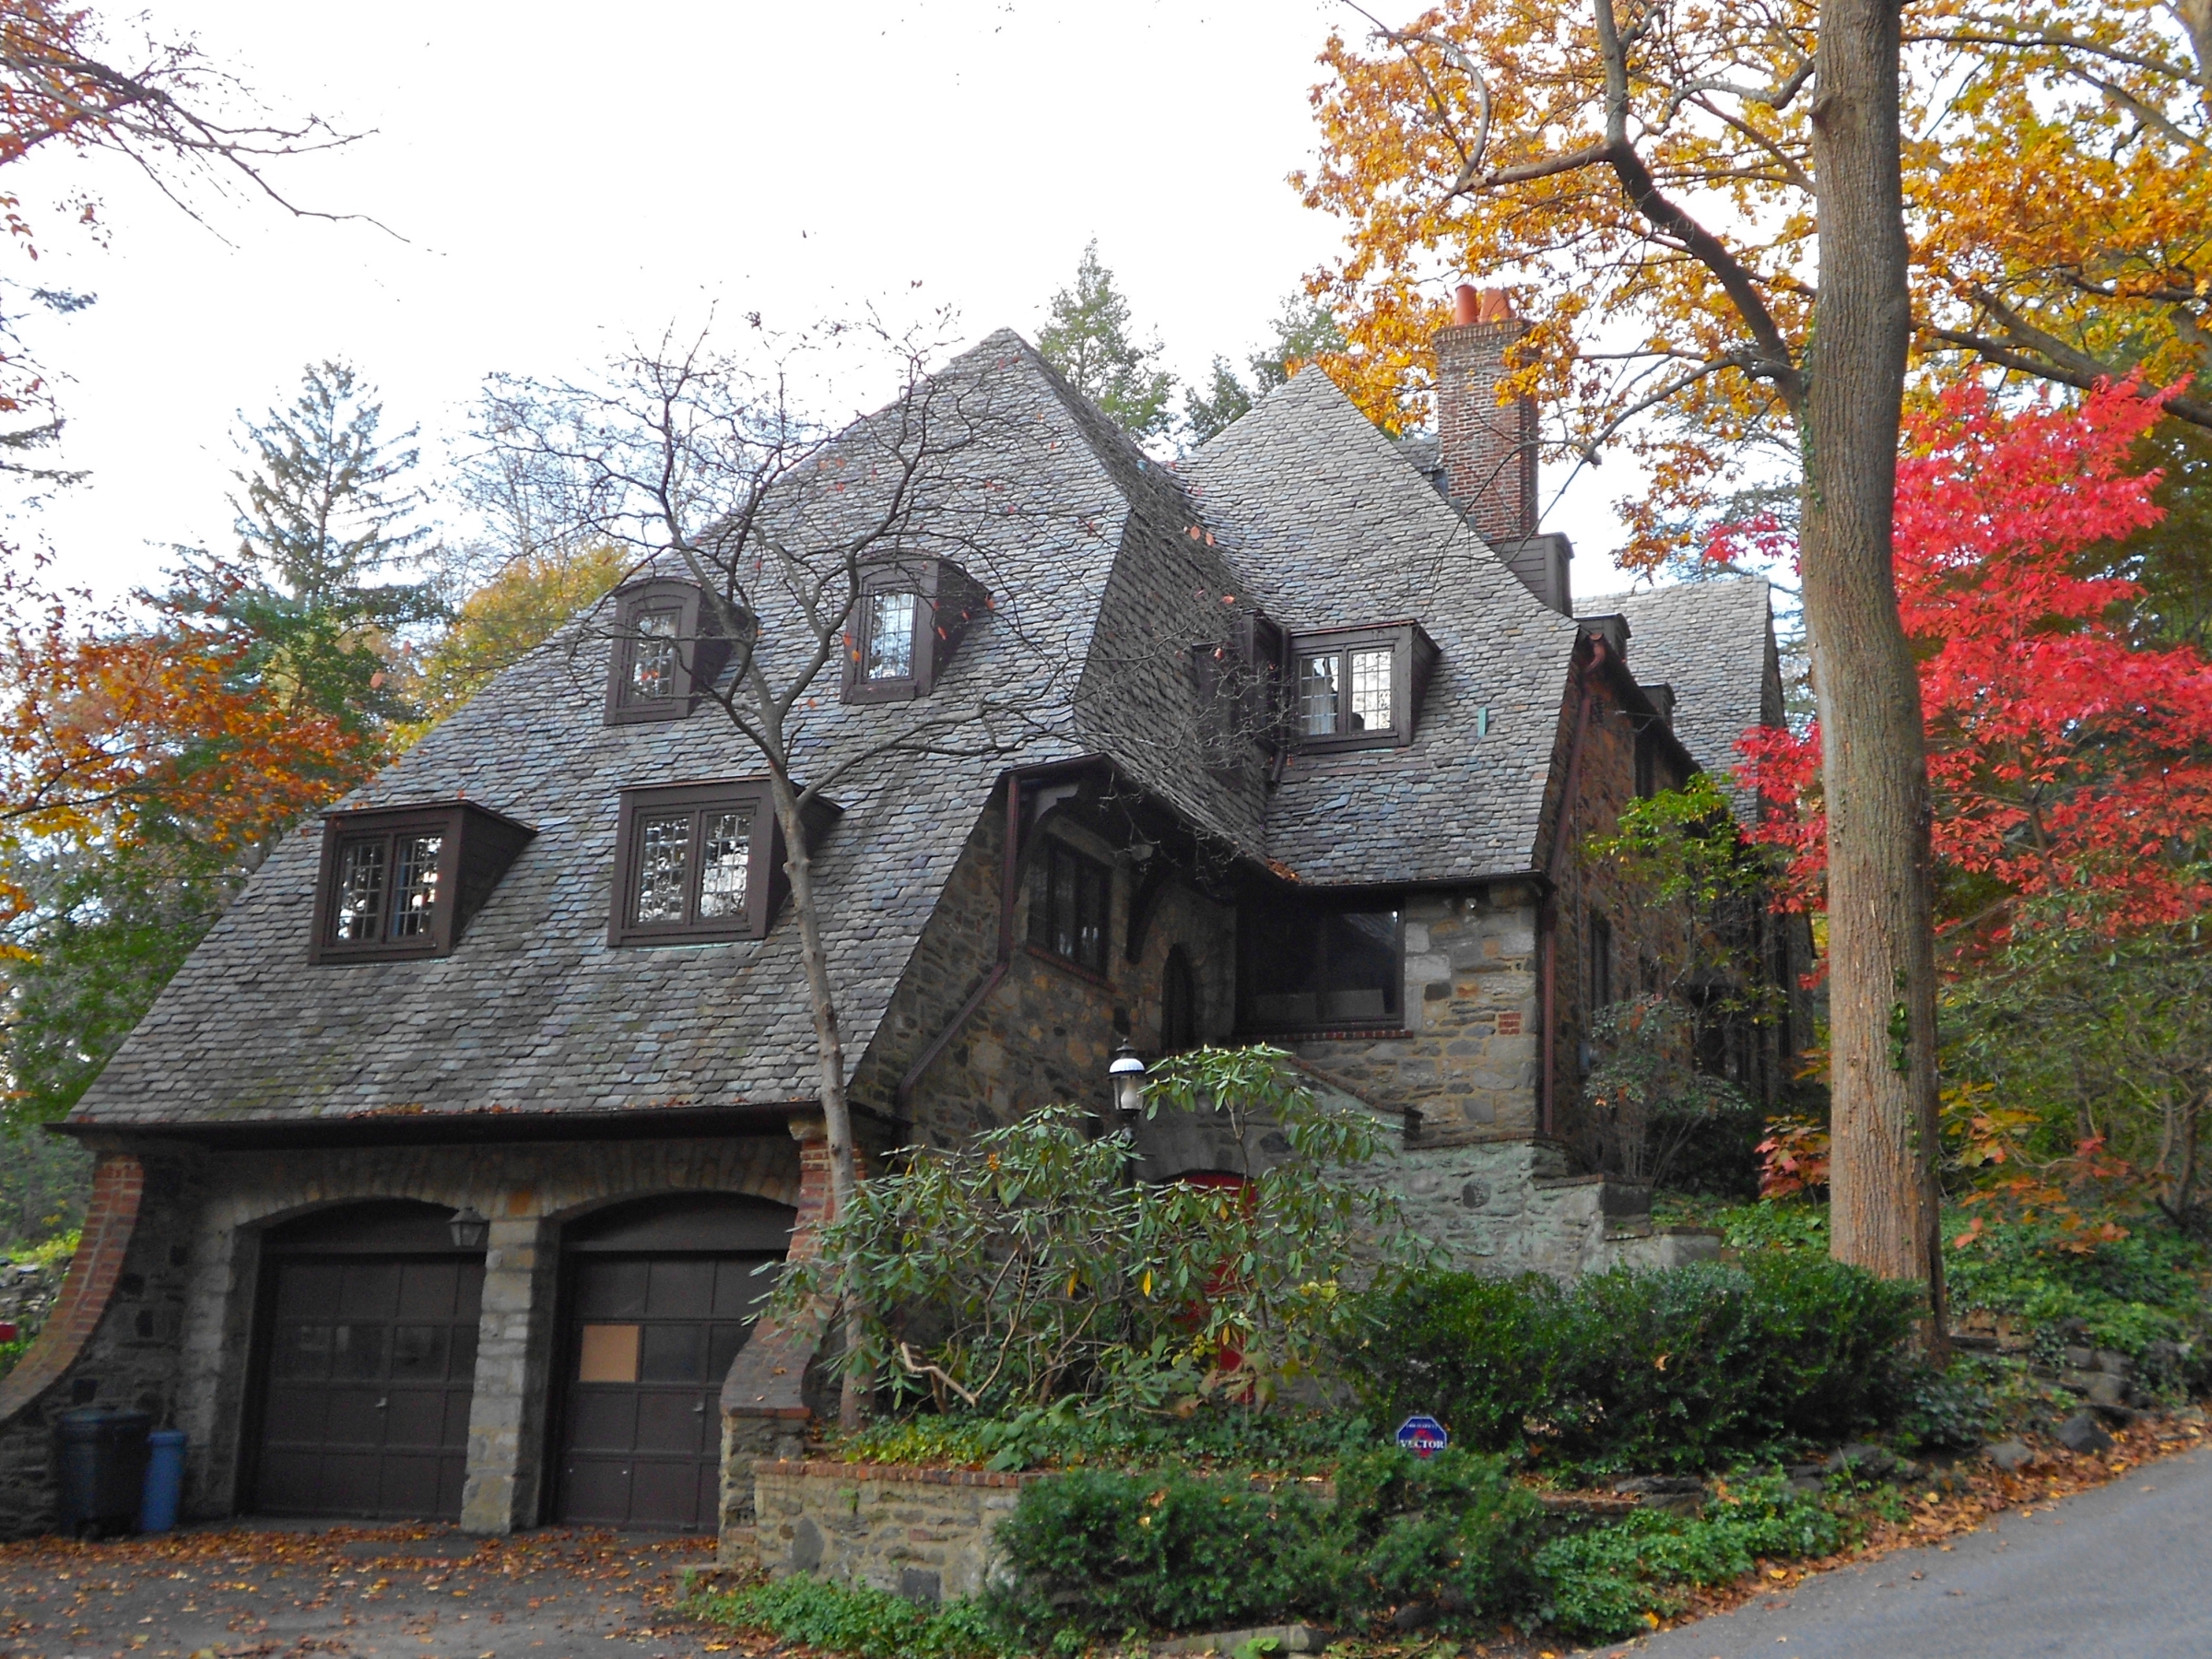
(1488, 450)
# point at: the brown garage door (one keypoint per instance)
(660, 1297)
(369, 1364)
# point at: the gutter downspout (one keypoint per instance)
(1548, 918)
(1010, 862)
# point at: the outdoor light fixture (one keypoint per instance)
(470, 1231)
(1128, 1074)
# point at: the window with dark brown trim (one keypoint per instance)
(907, 621)
(1601, 963)
(666, 651)
(695, 862)
(1068, 896)
(403, 881)
(1359, 688)
(1303, 966)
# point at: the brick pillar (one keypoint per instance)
(515, 1363)
(764, 1411)
(1488, 449)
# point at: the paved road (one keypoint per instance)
(2120, 1573)
(349, 1592)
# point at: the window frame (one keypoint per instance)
(1413, 660)
(697, 669)
(1249, 1025)
(946, 602)
(764, 862)
(478, 846)
(1039, 933)
(1600, 945)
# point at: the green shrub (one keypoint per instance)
(1615, 1580)
(1452, 1528)
(1101, 1553)
(861, 1622)
(1676, 1369)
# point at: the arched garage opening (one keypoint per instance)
(659, 1295)
(366, 1364)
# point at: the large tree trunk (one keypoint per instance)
(829, 1044)
(1881, 947)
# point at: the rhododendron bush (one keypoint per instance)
(2070, 771)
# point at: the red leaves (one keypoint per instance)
(2063, 758)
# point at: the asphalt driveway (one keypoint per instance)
(351, 1593)
(2123, 1571)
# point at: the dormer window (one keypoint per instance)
(666, 652)
(700, 863)
(403, 882)
(907, 622)
(1359, 688)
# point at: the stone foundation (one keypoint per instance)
(922, 1534)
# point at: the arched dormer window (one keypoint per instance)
(666, 651)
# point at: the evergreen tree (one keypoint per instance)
(324, 524)
(1089, 341)
(1303, 331)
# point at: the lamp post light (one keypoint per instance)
(470, 1231)
(1127, 1073)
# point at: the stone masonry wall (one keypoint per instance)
(923, 1533)
(1047, 1030)
(111, 1340)
(1466, 1060)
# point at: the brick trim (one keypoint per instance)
(118, 1185)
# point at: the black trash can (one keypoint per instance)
(103, 1469)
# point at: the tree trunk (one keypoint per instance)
(1881, 947)
(829, 1044)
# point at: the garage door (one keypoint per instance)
(659, 1297)
(368, 1360)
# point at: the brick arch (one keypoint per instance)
(118, 1184)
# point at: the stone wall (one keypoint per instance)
(1466, 1060)
(1509, 1207)
(923, 1533)
(113, 1338)
(1047, 1029)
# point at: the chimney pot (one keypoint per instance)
(1497, 306)
(1466, 306)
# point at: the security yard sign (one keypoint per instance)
(1424, 1436)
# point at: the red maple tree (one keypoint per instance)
(2066, 761)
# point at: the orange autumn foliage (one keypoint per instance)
(1656, 223)
(109, 725)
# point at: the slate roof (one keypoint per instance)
(1106, 567)
(1713, 642)
(1332, 526)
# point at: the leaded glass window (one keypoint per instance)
(1371, 675)
(687, 864)
(360, 897)
(726, 866)
(1319, 694)
(664, 852)
(888, 629)
(415, 890)
(653, 662)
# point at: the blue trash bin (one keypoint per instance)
(164, 1480)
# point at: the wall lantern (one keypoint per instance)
(1127, 1073)
(470, 1231)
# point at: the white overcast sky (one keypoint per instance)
(559, 178)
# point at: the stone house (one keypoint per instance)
(439, 1180)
